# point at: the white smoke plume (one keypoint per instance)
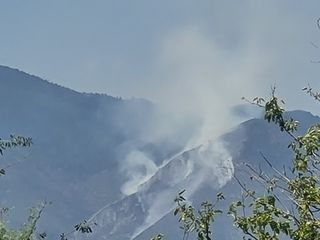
(199, 78)
(201, 71)
(209, 164)
(138, 168)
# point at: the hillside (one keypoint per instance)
(203, 172)
(114, 159)
(81, 144)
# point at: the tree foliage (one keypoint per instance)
(12, 142)
(270, 218)
(193, 220)
(28, 230)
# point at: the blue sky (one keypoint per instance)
(197, 57)
(91, 45)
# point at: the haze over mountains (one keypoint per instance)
(203, 172)
(83, 146)
(118, 162)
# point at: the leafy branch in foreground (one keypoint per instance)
(82, 227)
(269, 217)
(14, 141)
(198, 221)
(27, 231)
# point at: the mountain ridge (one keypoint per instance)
(81, 143)
(247, 151)
(82, 157)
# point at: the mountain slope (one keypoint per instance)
(203, 172)
(81, 143)
(245, 144)
(89, 149)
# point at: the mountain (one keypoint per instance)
(85, 148)
(203, 172)
(120, 161)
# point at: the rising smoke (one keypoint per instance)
(200, 71)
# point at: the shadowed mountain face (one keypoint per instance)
(79, 159)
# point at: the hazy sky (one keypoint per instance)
(184, 54)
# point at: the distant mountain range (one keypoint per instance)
(104, 159)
